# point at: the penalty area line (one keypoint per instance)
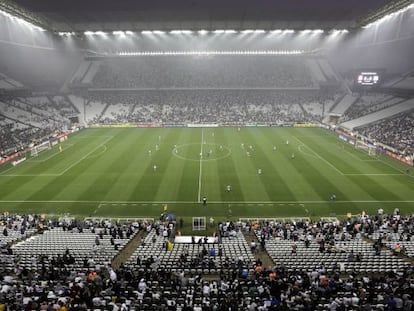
(86, 155)
(54, 154)
(97, 209)
(385, 174)
(319, 156)
(30, 175)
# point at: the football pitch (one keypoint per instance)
(247, 172)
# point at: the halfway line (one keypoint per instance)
(216, 202)
(201, 165)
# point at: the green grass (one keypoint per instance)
(109, 172)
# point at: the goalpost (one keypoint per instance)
(34, 151)
(368, 148)
(199, 223)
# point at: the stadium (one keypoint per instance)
(220, 155)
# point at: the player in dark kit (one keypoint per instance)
(204, 201)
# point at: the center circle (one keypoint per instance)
(209, 152)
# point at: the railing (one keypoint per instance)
(277, 219)
(120, 219)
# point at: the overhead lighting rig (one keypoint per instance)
(384, 12)
(14, 11)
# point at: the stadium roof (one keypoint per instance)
(82, 15)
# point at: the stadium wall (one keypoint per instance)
(352, 137)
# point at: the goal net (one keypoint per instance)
(368, 148)
(199, 223)
(34, 152)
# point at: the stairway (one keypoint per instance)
(128, 250)
(260, 253)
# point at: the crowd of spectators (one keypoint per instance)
(29, 120)
(101, 287)
(11, 139)
(200, 253)
(233, 71)
(333, 244)
(396, 232)
(15, 138)
(377, 294)
(211, 106)
(369, 103)
(42, 111)
(397, 132)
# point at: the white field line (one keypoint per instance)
(378, 160)
(216, 202)
(97, 209)
(306, 153)
(56, 174)
(85, 156)
(401, 174)
(201, 165)
(361, 159)
(319, 156)
(314, 136)
(354, 156)
(398, 170)
(67, 146)
(5, 171)
(93, 136)
(29, 175)
(102, 152)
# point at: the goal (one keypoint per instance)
(34, 152)
(199, 223)
(368, 148)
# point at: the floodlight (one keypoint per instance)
(118, 32)
(146, 32)
(88, 33)
(230, 31)
(203, 32)
(288, 31)
(65, 33)
(259, 31)
(247, 31)
(219, 31)
(6, 14)
(255, 52)
(37, 27)
(100, 33)
(129, 32)
(158, 32)
(338, 31)
(186, 32)
(277, 31)
(23, 21)
(318, 31)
